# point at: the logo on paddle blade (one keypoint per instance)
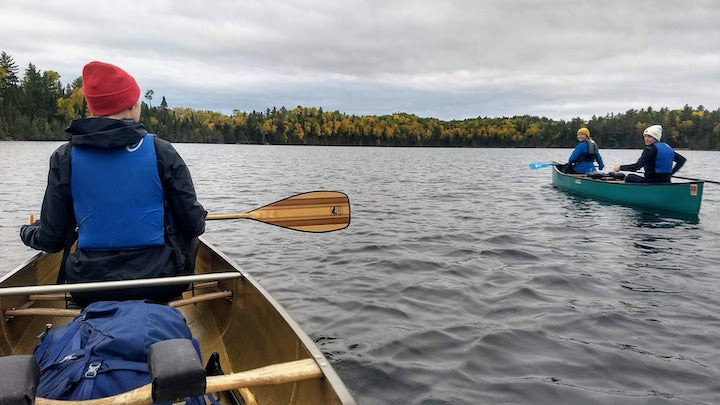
(335, 211)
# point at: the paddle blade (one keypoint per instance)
(316, 211)
(537, 165)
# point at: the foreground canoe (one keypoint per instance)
(680, 198)
(227, 311)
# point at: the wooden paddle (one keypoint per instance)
(281, 373)
(316, 211)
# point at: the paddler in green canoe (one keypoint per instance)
(657, 159)
(586, 153)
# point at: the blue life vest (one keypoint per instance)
(585, 153)
(664, 158)
(591, 154)
(117, 196)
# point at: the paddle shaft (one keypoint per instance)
(315, 211)
(291, 371)
(694, 179)
(237, 215)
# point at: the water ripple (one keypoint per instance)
(464, 277)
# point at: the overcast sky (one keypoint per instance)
(445, 59)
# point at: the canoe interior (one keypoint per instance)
(249, 331)
(681, 198)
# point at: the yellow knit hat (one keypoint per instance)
(584, 131)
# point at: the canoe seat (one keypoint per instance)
(176, 370)
(21, 375)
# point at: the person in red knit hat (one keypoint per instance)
(125, 195)
(109, 90)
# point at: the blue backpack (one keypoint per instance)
(103, 351)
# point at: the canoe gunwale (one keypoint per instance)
(620, 182)
(328, 371)
(19, 268)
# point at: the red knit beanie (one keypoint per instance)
(108, 89)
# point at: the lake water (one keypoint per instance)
(464, 277)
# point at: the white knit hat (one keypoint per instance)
(655, 131)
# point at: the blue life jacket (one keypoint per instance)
(591, 154)
(583, 156)
(664, 158)
(103, 351)
(117, 196)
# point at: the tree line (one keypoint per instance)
(38, 107)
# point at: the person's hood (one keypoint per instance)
(104, 132)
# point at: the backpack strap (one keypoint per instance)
(99, 366)
(69, 337)
(212, 399)
(116, 364)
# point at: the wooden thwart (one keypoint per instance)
(281, 373)
(201, 298)
(48, 297)
(71, 313)
(75, 312)
(63, 296)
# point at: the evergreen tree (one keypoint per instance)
(37, 106)
(10, 69)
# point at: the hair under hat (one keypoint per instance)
(654, 130)
(108, 89)
(584, 131)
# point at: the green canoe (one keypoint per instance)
(681, 198)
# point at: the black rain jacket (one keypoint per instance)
(647, 159)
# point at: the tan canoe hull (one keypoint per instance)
(248, 328)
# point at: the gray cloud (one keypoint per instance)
(445, 59)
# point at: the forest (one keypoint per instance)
(37, 106)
